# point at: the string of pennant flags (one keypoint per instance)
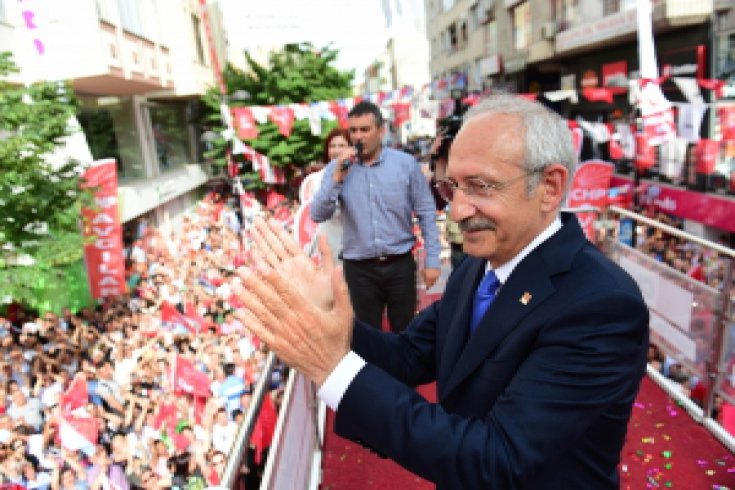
(665, 123)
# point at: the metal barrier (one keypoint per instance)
(690, 321)
(239, 451)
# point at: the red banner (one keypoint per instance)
(244, 122)
(704, 208)
(103, 253)
(589, 188)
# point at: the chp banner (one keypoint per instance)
(589, 188)
(103, 252)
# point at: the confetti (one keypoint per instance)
(666, 454)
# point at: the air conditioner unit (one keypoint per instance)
(548, 30)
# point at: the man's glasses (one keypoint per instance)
(476, 188)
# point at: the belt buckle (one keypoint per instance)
(382, 258)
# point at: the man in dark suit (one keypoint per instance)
(537, 346)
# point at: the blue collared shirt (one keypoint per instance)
(378, 202)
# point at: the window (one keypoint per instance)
(522, 26)
(447, 4)
(109, 125)
(567, 13)
(453, 40)
(610, 7)
(197, 30)
(171, 134)
(138, 17)
(3, 15)
(464, 35)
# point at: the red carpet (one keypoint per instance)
(665, 449)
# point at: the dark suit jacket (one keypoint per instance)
(538, 398)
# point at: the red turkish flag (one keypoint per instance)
(283, 117)
(188, 379)
(173, 317)
(244, 122)
(77, 395)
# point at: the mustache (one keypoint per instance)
(477, 223)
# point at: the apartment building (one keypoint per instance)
(137, 68)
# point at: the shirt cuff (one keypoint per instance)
(336, 384)
(432, 262)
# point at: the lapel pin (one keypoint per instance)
(525, 298)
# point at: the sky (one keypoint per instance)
(357, 28)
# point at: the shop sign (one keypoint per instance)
(589, 79)
(615, 75)
(609, 27)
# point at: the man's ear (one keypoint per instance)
(553, 187)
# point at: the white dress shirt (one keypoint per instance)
(336, 384)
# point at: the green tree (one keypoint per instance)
(298, 73)
(39, 203)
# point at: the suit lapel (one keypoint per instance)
(527, 287)
(456, 336)
(503, 315)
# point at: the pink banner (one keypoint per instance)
(704, 208)
(103, 252)
(589, 188)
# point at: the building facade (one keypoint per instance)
(137, 68)
(537, 47)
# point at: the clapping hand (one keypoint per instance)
(300, 310)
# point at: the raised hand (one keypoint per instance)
(276, 248)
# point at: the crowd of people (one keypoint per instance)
(147, 390)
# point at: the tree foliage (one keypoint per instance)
(39, 203)
(298, 73)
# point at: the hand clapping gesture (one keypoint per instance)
(299, 309)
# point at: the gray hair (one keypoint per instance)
(546, 135)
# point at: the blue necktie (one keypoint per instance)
(484, 296)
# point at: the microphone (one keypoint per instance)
(358, 148)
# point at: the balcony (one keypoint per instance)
(133, 65)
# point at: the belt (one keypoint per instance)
(383, 259)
